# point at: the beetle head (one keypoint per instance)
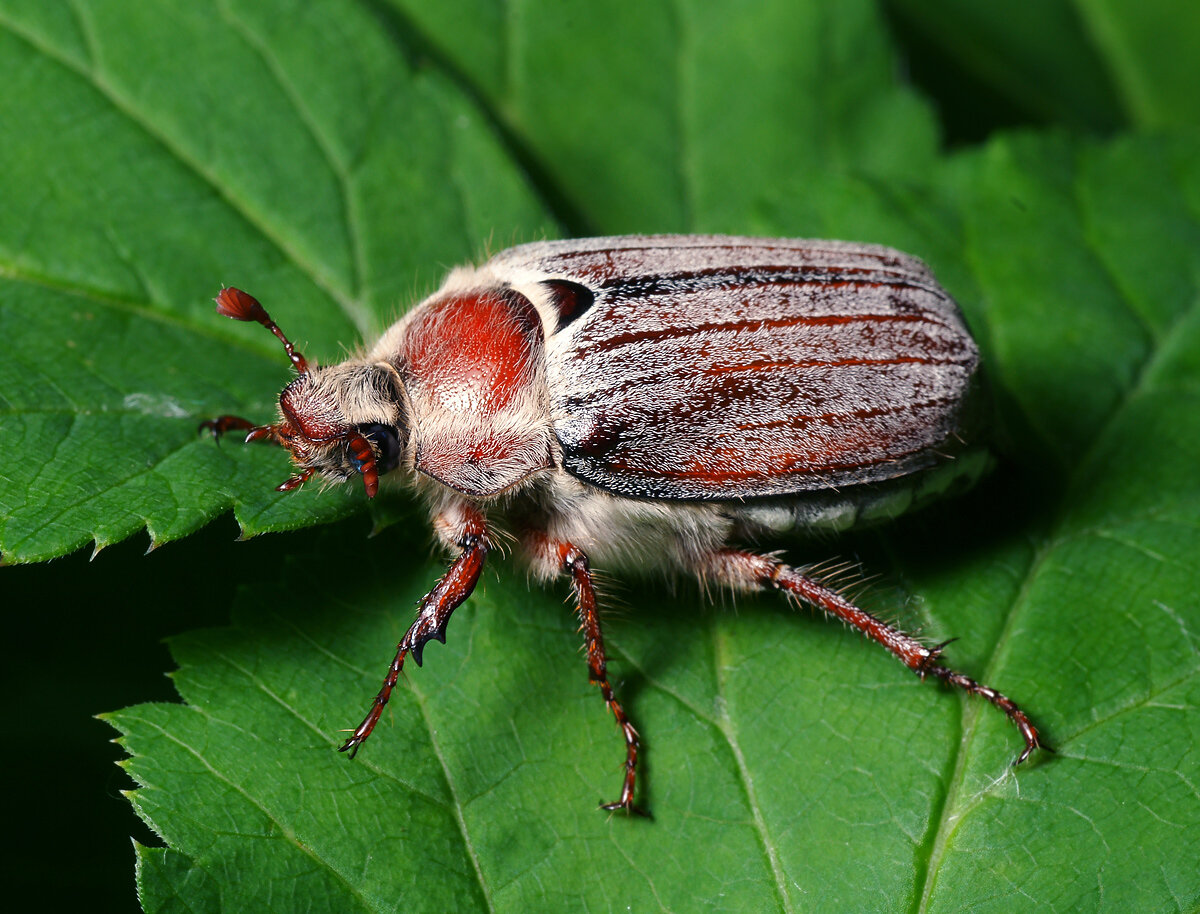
(338, 421)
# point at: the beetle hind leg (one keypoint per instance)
(749, 571)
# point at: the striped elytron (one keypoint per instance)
(649, 399)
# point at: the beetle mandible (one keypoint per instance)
(641, 399)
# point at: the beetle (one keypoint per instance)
(649, 399)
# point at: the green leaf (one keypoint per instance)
(128, 203)
(644, 117)
(1038, 55)
(334, 185)
(787, 765)
(1101, 64)
(333, 159)
(1148, 48)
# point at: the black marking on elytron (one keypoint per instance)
(571, 300)
(685, 281)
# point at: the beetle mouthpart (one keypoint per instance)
(364, 461)
(242, 306)
(386, 441)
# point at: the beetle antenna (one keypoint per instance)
(242, 306)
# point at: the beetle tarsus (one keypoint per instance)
(433, 613)
(630, 809)
(575, 563)
(1004, 703)
(747, 570)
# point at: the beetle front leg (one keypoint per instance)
(222, 424)
(747, 570)
(468, 529)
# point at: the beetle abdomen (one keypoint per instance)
(717, 368)
(854, 507)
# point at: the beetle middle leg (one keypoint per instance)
(748, 570)
(468, 530)
(563, 557)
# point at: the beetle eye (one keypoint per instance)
(386, 441)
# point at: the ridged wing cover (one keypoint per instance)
(717, 367)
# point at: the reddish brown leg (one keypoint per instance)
(432, 615)
(745, 569)
(270, 434)
(222, 424)
(575, 563)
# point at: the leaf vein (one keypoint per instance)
(261, 685)
(352, 305)
(125, 107)
(304, 847)
(729, 732)
(456, 803)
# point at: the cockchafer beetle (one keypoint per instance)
(649, 399)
